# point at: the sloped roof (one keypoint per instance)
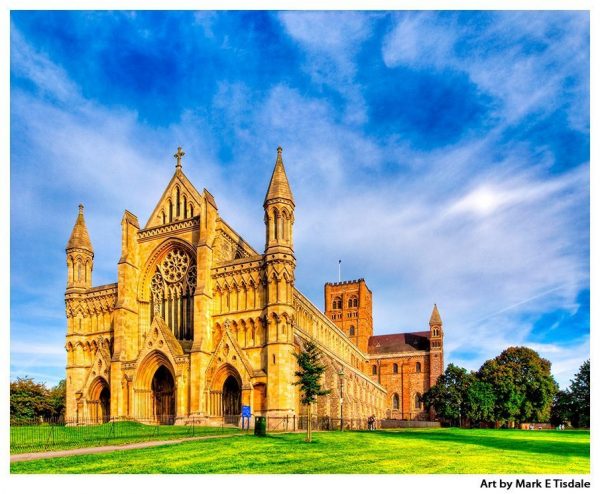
(435, 316)
(80, 238)
(279, 187)
(399, 342)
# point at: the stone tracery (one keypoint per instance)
(172, 290)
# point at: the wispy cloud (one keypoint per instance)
(491, 222)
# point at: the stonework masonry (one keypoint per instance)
(199, 323)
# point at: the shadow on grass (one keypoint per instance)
(512, 440)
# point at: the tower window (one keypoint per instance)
(395, 401)
(418, 367)
(418, 402)
(337, 303)
(395, 368)
(351, 332)
(353, 302)
(374, 370)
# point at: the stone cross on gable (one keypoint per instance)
(178, 155)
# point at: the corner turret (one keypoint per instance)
(278, 272)
(80, 256)
(279, 211)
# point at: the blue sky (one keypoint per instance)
(443, 156)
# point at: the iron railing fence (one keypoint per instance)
(47, 435)
(35, 435)
(335, 423)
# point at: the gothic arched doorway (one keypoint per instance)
(99, 401)
(105, 404)
(163, 396)
(232, 400)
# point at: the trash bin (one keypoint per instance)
(260, 426)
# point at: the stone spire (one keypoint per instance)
(279, 187)
(435, 316)
(80, 238)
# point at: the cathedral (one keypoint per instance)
(200, 324)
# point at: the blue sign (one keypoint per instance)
(246, 411)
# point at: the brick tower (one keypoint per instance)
(436, 339)
(349, 304)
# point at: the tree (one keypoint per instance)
(448, 394)
(309, 377)
(479, 401)
(522, 383)
(28, 400)
(561, 411)
(57, 398)
(580, 396)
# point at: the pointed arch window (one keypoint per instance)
(395, 401)
(352, 331)
(337, 303)
(172, 293)
(395, 368)
(374, 370)
(418, 367)
(353, 302)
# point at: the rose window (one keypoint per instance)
(175, 265)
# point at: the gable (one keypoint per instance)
(160, 338)
(100, 367)
(228, 351)
(179, 201)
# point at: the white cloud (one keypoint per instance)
(331, 41)
(334, 33)
(493, 246)
(496, 57)
(419, 40)
(48, 77)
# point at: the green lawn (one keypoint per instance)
(401, 451)
(26, 439)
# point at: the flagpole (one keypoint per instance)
(339, 271)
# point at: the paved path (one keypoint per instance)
(107, 449)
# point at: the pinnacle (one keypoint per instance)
(435, 316)
(279, 187)
(80, 238)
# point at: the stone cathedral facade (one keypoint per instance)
(199, 323)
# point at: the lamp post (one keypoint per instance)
(341, 374)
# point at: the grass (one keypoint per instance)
(27, 439)
(402, 451)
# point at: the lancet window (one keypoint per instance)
(172, 293)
